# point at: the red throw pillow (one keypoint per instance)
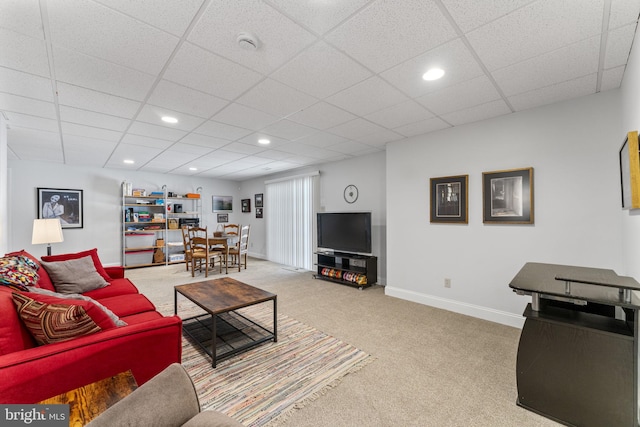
(94, 256)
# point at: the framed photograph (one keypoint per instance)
(259, 201)
(246, 205)
(61, 203)
(449, 199)
(507, 196)
(259, 212)
(223, 218)
(222, 204)
(630, 172)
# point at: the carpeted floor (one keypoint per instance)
(432, 368)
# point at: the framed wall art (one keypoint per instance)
(63, 204)
(630, 172)
(449, 199)
(223, 218)
(259, 201)
(246, 205)
(259, 212)
(507, 196)
(222, 204)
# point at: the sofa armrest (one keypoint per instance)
(115, 272)
(146, 348)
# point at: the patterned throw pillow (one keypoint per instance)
(18, 272)
(50, 323)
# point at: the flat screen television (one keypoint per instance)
(345, 232)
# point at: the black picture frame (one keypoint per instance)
(246, 205)
(62, 203)
(507, 196)
(222, 218)
(259, 200)
(259, 212)
(449, 199)
(222, 204)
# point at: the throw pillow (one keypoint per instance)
(111, 314)
(74, 276)
(50, 323)
(18, 272)
(44, 281)
(91, 252)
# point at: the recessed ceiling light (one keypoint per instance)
(248, 41)
(128, 161)
(169, 119)
(193, 169)
(264, 141)
(433, 74)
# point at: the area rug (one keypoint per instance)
(265, 384)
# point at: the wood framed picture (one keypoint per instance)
(507, 196)
(246, 205)
(630, 171)
(259, 201)
(67, 205)
(222, 204)
(222, 218)
(449, 199)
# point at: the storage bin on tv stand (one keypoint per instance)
(347, 269)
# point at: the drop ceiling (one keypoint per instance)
(85, 82)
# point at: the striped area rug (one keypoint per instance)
(263, 385)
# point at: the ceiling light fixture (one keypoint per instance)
(433, 74)
(193, 169)
(128, 161)
(169, 119)
(264, 141)
(248, 41)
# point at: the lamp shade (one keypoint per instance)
(46, 231)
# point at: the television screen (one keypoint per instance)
(345, 231)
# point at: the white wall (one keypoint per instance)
(630, 94)
(573, 149)
(4, 188)
(102, 203)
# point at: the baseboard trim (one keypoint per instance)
(472, 310)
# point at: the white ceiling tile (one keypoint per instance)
(400, 114)
(139, 154)
(322, 116)
(321, 139)
(90, 118)
(368, 96)
(198, 150)
(349, 147)
(623, 12)
(468, 15)
(244, 117)
(372, 36)
(32, 144)
(288, 130)
(242, 148)
(33, 122)
(87, 151)
(555, 93)
(274, 155)
(170, 159)
(255, 137)
(321, 71)
(20, 104)
(318, 16)
(550, 68)
(153, 114)
(23, 53)
(22, 16)
(23, 84)
(222, 156)
(274, 97)
(480, 112)
(153, 131)
(90, 132)
(453, 57)
(93, 29)
(93, 73)
(87, 99)
(222, 130)
(204, 141)
(425, 126)
(299, 149)
(519, 35)
(460, 96)
(619, 45)
(181, 98)
(611, 79)
(146, 141)
(173, 17)
(201, 70)
(279, 37)
(379, 139)
(356, 129)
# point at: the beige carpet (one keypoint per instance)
(432, 368)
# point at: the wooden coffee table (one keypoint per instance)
(222, 331)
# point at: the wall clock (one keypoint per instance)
(350, 193)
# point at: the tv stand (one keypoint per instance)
(347, 269)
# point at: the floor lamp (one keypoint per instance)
(47, 231)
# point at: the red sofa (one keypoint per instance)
(30, 373)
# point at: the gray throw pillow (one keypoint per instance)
(74, 276)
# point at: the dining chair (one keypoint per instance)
(231, 229)
(187, 246)
(201, 251)
(241, 248)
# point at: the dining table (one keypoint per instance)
(223, 241)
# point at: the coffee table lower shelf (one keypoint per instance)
(234, 334)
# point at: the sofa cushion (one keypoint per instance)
(44, 280)
(115, 288)
(18, 272)
(56, 322)
(93, 253)
(14, 336)
(142, 317)
(74, 276)
(127, 305)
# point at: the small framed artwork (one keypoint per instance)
(449, 199)
(630, 172)
(507, 196)
(246, 205)
(259, 212)
(223, 218)
(63, 204)
(259, 201)
(222, 204)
